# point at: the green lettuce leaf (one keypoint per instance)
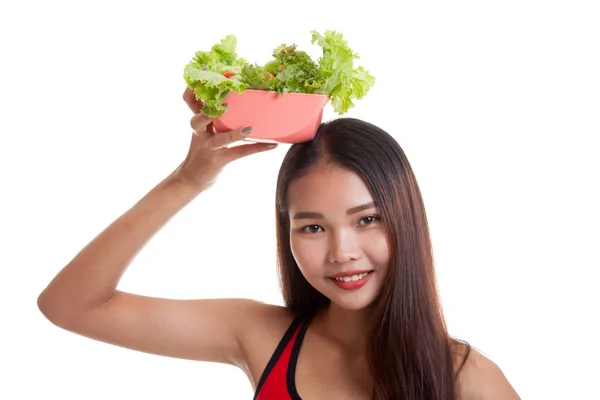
(221, 58)
(343, 82)
(258, 78)
(204, 75)
(290, 70)
(294, 69)
(212, 88)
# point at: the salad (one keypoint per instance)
(214, 74)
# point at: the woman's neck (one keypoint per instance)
(347, 328)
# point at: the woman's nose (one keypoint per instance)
(343, 247)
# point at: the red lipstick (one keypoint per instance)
(350, 273)
(351, 280)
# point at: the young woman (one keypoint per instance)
(361, 318)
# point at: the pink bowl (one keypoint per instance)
(286, 118)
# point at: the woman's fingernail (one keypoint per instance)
(246, 130)
(272, 146)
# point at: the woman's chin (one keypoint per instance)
(352, 302)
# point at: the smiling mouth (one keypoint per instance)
(352, 282)
(352, 278)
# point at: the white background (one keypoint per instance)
(496, 105)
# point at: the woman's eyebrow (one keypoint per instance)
(360, 208)
(316, 215)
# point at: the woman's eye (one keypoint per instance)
(311, 229)
(368, 220)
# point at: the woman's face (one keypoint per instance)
(336, 231)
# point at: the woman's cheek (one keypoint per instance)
(379, 248)
(308, 253)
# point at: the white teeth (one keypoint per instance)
(352, 278)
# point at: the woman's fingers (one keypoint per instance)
(224, 139)
(245, 150)
(200, 122)
(202, 125)
(190, 98)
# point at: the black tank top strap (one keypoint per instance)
(289, 333)
(291, 372)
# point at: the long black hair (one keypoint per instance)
(411, 355)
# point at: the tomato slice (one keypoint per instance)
(228, 74)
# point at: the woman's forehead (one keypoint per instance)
(328, 187)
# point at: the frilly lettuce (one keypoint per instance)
(342, 81)
(291, 70)
(204, 75)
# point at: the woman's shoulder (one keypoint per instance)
(260, 320)
(269, 316)
(480, 378)
(266, 326)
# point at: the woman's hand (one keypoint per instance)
(209, 153)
